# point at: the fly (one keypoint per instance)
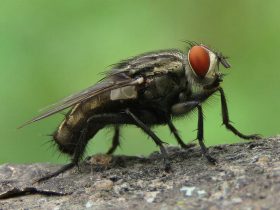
(147, 90)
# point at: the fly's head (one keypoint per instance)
(203, 64)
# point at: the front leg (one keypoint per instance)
(200, 135)
(226, 120)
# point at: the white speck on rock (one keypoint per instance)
(150, 196)
(89, 204)
(42, 200)
(236, 200)
(188, 190)
(201, 192)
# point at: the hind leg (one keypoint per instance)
(116, 140)
(78, 152)
(93, 125)
(142, 120)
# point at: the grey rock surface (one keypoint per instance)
(247, 176)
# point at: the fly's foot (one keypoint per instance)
(187, 146)
(56, 173)
(210, 159)
(250, 137)
(205, 153)
(167, 166)
(255, 137)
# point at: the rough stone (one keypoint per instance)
(247, 176)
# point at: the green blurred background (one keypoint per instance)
(50, 49)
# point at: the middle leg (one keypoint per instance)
(177, 136)
(156, 139)
(116, 140)
(178, 109)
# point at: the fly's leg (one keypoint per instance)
(226, 120)
(93, 125)
(156, 139)
(184, 107)
(178, 109)
(56, 173)
(116, 140)
(200, 136)
(78, 153)
(177, 136)
(188, 106)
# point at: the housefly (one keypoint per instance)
(147, 90)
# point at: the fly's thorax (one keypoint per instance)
(162, 88)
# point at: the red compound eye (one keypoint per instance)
(199, 60)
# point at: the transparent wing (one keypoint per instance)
(101, 87)
(126, 73)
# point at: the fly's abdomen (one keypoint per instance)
(68, 133)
